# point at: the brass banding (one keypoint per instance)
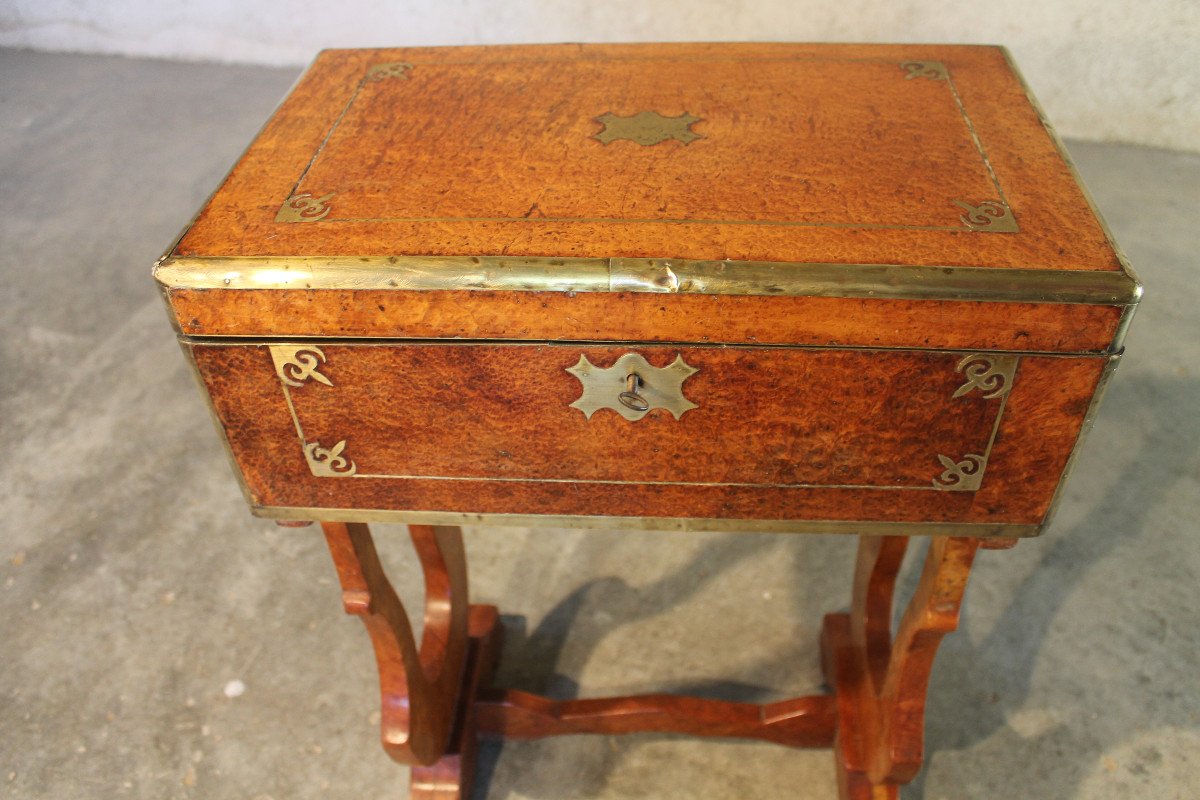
(655, 275)
(867, 528)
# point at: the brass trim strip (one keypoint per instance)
(1089, 419)
(322, 206)
(392, 341)
(682, 524)
(194, 368)
(1119, 339)
(653, 275)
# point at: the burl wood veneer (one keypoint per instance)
(804, 288)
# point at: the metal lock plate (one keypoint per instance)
(632, 387)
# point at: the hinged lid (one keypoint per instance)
(821, 171)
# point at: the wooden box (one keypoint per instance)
(727, 286)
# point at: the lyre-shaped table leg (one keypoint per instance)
(881, 684)
(419, 688)
(434, 700)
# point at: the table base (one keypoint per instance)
(437, 698)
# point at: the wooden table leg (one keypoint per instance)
(436, 698)
(451, 776)
(881, 684)
(428, 692)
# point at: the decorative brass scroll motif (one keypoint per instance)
(381, 72)
(294, 364)
(934, 70)
(990, 215)
(653, 388)
(961, 476)
(990, 374)
(304, 208)
(328, 462)
(647, 128)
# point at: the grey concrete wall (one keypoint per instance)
(135, 587)
(1108, 71)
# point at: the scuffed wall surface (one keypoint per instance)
(1104, 70)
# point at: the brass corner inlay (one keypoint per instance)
(989, 215)
(934, 70)
(632, 387)
(989, 373)
(961, 476)
(328, 462)
(381, 72)
(304, 208)
(647, 128)
(294, 364)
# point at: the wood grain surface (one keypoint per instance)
(629, 316)
(766, 416)
(807, 153)
(881, 682)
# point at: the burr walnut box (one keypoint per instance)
(745, 286)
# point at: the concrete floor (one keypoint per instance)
(134, 587)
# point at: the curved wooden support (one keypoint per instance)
(435, 699)
(875, 571)
(881, 685)
(451, 776)
(931, 614)
(800, 722)
(419, 688)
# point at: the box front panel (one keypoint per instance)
(707, 433)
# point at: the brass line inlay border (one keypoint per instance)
(959, 475)
(314, 209)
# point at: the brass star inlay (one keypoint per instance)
(647, 128)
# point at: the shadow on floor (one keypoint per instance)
(533, 659)
(1011, 650)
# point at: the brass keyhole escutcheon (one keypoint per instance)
(633, 387)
